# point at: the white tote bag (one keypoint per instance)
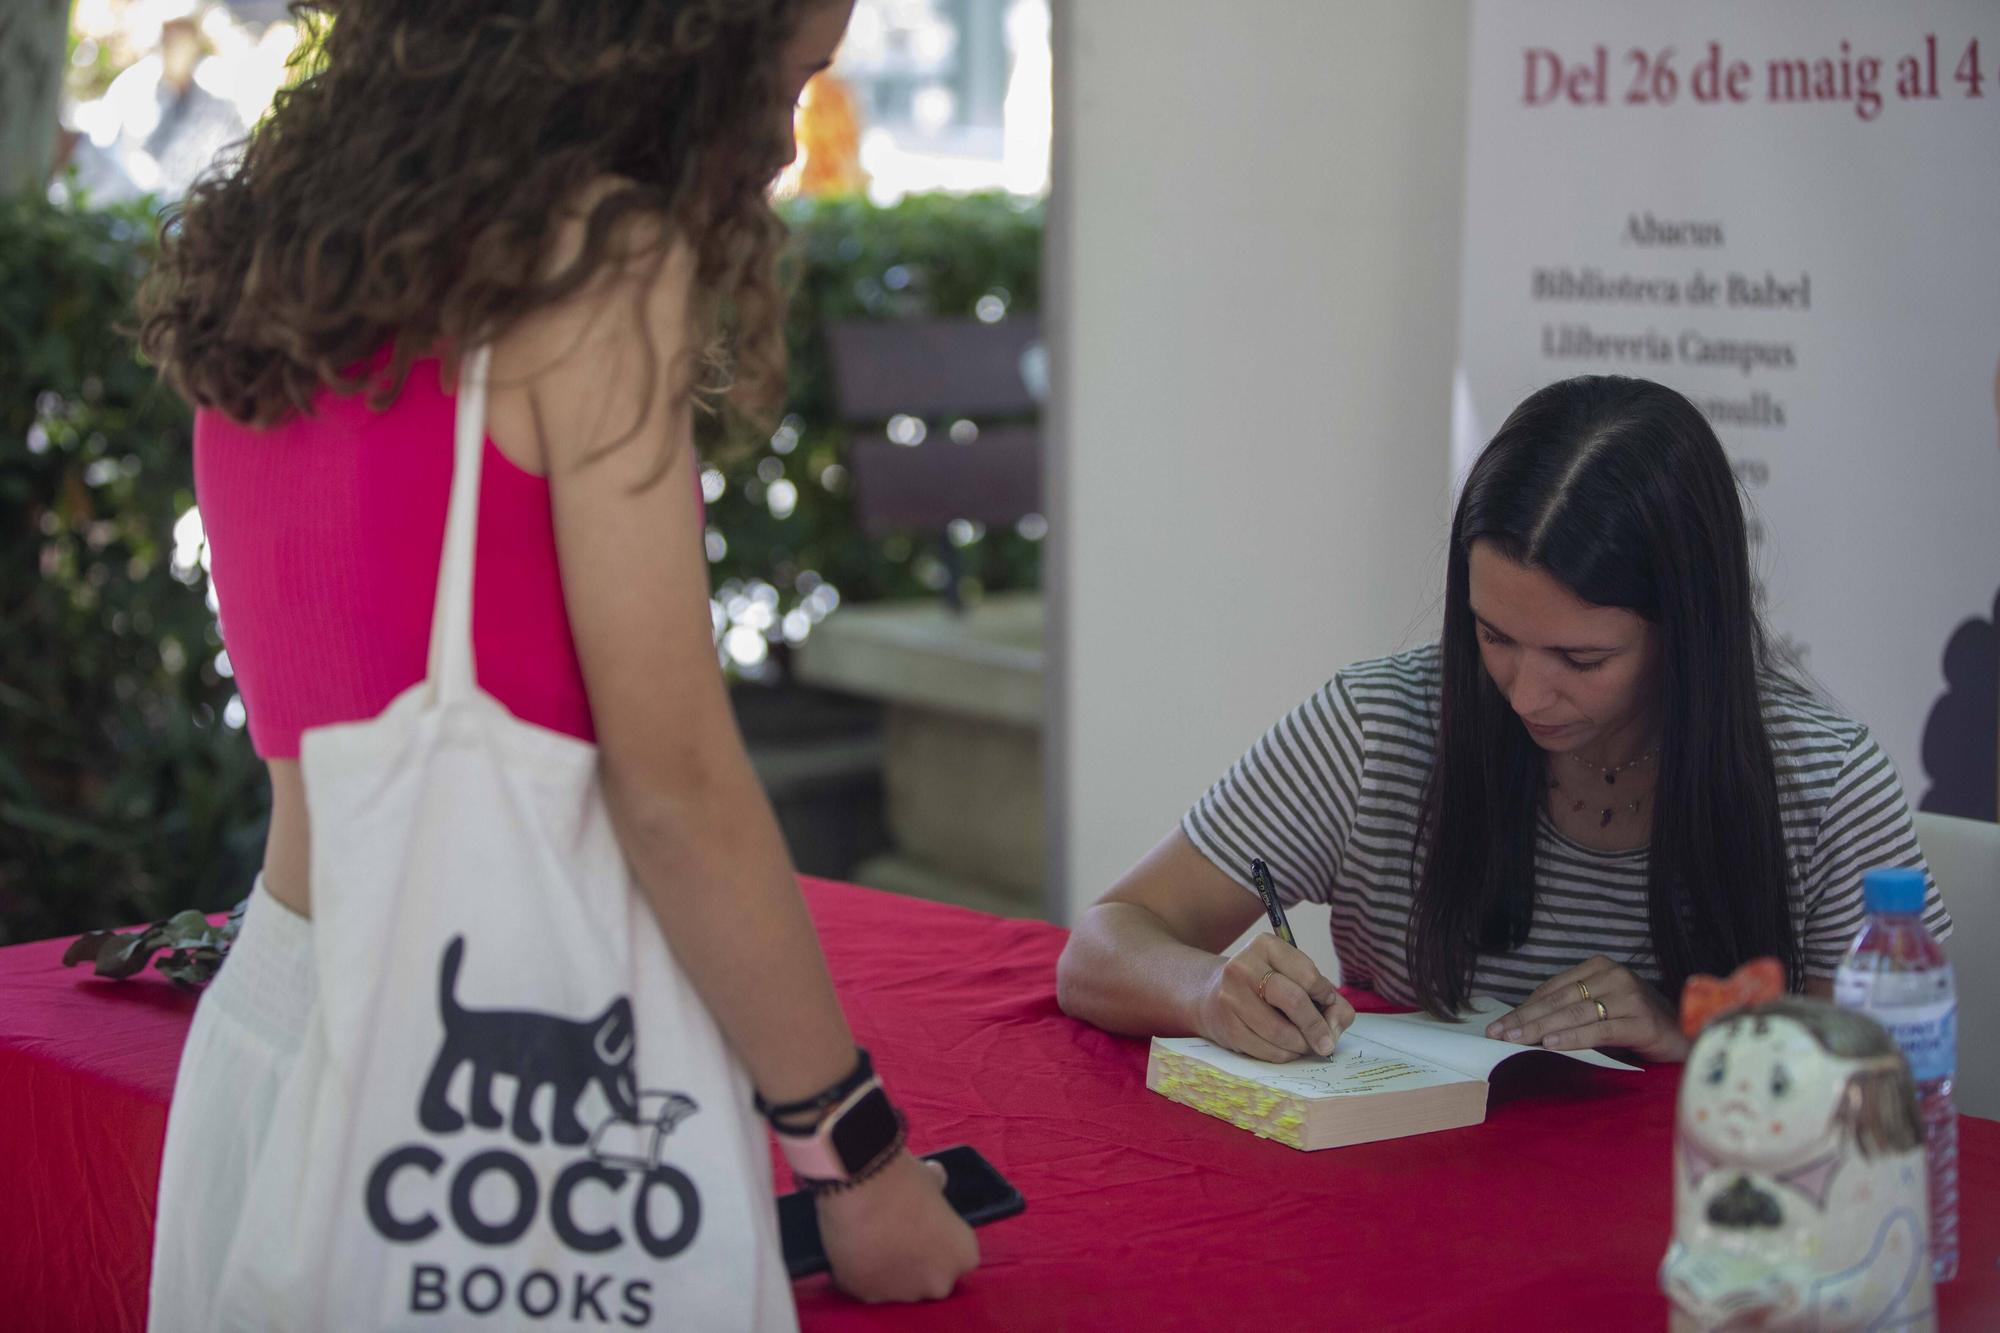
(511, 1109)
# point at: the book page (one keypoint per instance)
(1357, 1067)
(1461, 1046)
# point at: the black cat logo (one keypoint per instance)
(536, 1051)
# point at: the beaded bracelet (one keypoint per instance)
(818, 1104)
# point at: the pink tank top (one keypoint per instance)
(324, 537)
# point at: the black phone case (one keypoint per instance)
(975, 1191)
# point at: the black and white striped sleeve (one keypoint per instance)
(1290, 800)
(1866, 824)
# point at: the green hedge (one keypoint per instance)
(126, 793)
(928, 255)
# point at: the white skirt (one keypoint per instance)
(247, 1033)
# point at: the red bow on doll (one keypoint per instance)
(1707, 998)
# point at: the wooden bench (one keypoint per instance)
(945, 416)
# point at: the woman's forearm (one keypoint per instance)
(1124, 971)
(712, 863)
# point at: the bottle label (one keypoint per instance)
(1927, 1033)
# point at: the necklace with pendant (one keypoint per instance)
(1605, 813)
(1610, 775)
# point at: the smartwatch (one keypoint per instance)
(856, 1131)
(857, 1139)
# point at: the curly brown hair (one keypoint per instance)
(406, 191)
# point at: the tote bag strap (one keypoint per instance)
(451, 677)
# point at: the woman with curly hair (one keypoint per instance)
(581, 188)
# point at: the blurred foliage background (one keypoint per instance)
(123, 790)
(128, 790)
(782, 531)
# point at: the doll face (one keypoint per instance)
(1761, 1092)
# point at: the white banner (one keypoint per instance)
(1789, 212)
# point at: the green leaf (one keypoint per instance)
(187, 926)
(127, 955)
(85, 947)
(193, 968)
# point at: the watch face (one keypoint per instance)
(864, 1130)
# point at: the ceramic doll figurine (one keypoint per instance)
(1799, 1183)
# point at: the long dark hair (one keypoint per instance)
(1618, 489)
(407, 192)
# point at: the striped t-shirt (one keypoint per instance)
(1329, 799)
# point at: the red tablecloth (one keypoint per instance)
(1141, 1213)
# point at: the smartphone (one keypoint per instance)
(975, 1191)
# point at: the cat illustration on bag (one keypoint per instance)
(534, 1050)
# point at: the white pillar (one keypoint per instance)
(1252, 295)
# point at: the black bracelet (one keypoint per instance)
(866, 1173)
(817, 1105)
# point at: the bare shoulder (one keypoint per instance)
(594, 359)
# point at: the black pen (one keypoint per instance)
(1260, 875)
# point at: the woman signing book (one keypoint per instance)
(1599, 781)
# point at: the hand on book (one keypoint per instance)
(1594, 1004)
(1270, 1003)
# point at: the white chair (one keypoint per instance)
(1965, 857)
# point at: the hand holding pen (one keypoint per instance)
(1270, 1001)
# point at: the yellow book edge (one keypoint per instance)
(1285, 1117)
(1264, 1111)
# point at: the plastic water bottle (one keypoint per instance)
(1898, 975)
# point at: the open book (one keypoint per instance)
(1389, 1075)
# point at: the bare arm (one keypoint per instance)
(690, 816)
(1144, 960)
(692, 820)
(1142, 955)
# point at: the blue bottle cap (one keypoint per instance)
(1899, 889)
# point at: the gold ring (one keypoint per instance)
(1265, 982)
(1581, 989)
(1601, 1015)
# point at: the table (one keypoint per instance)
(1141, 1214)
